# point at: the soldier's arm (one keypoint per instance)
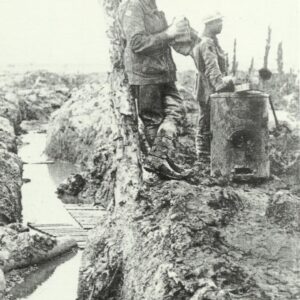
(196, 54)
(135, 32)
(212, 70)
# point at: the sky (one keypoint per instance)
(61, 32)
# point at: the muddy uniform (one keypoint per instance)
(211, 64)
(150, 67)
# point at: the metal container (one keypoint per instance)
(239, 126)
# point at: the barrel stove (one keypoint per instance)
(239, 126)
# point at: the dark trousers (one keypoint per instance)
(159, 108)
(203, 129)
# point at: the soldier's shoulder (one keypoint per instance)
(129, 4)
(205, 40)
(134, 3)
(129, 7)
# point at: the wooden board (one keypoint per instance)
(86, 215)
(62, 230)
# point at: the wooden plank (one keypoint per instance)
(65, 229)
(88, 227)
(91, 216)
(87, 220)
(87, 215)
(60, 229)
(50, 225)
(83, 207)
(53, 231)
(92, 213)
(69, 232)
(77, 233)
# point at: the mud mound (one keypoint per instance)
(284, 209)
(187, 242)
(10, 187)
(84, 123)
(202, 239)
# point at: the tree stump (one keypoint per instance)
(239, 125)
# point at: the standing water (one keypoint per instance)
(58, 278)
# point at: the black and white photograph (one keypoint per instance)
(149, 150)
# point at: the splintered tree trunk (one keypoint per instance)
(268, 47)
(128, 179)
(234, 61)
(280, 59)
(102, 279)
(239, 124)
(251, 68)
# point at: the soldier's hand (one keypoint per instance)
(179, 26)
(229, 79)
(226, 85)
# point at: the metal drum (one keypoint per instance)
(239, 127)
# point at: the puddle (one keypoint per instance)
(52, 280)
(58, 278)
(39, 199)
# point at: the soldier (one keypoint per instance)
(152, 74)
(212, 77)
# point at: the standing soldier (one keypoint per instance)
(151, 74)
(212, 77)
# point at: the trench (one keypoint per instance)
(58, 278)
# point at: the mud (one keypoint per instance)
(24, 97)
(202, 239)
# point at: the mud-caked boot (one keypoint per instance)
(158, 159)
(161, 167)
(180, 169)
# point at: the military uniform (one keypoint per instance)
(211, 64)
(151, 72)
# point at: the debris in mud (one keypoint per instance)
(204, 238)
(72, 186)
(10, 187)
(26, 180)
(284, 209)
(21, 247)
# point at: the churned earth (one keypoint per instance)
(204, 238)
(26, 96)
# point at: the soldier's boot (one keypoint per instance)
(162, 168)
(203, 148)
(159, 162)
(180, 169)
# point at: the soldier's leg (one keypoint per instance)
(203, 132)
(167, 131)
(150, 109)
(164, 144)
(159, 127)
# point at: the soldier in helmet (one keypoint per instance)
(152, 74)
(212, 77)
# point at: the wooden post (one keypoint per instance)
(234, 61)
(268, 47)
(251, 68)
(280, 59)
(239, 124)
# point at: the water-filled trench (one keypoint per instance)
(58, 278)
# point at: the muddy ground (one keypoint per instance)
(205, 238)
(25, 97)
